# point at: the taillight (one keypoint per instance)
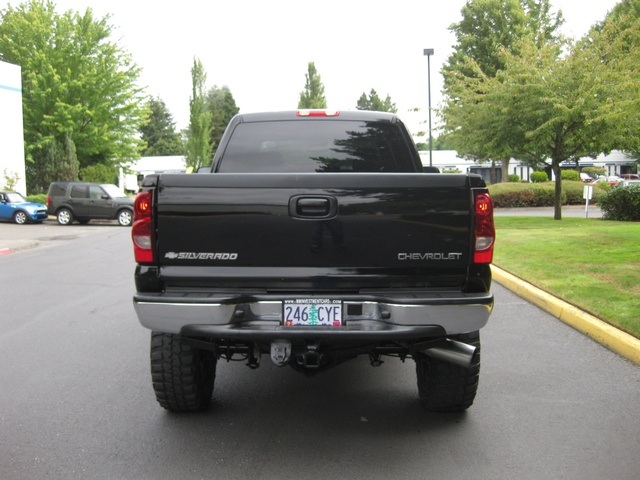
(318, 113)
(484, 231)
(142, 230)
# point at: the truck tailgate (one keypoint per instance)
(350, 228)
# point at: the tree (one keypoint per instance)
(223, 108)
(199, 134)
(58, 161)
(99, 173)
(374, 103)
(613, 47)
(158, 133)
(485, 25)
(487, 29)
(541, 22)
(489, 25)
(545, 104)
(441, 142)
(556, 100)
(313, 94)
(79, 90)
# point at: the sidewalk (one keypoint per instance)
(7, 247)
(567, 211)
(15, 238)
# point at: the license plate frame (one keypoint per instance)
(312, 312)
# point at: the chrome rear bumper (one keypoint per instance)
(397, 316)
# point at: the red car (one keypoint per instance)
(630, 176)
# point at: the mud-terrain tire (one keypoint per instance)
(445, 387)
(182, 376)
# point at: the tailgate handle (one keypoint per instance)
(313, 207)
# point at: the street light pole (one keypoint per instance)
(428, 52)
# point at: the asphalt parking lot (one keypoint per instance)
(14, 238)
(77, 398)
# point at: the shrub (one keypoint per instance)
(593, 172)
(539, 177)
(622, 204)
(38, 198)
(513, 199)
(599, 191)
(544, 197)
(10, 179)
(574, 192)
(572, 175)
(604, 185)
(512, 195)
(513, 178)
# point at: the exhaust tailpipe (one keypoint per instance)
(452, 351)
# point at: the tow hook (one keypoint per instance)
(280, 352)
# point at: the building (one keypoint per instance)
(615, 163)
(12, 166)
(132, 176)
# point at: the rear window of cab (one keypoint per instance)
(316, 146)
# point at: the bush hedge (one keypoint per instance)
(622, 204)
(539, 177)
(513, 195)
(572, 175)
(38, 198)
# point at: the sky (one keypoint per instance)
(261, 49)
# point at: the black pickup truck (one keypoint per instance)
(317, 237)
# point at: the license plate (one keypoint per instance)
(312, 312)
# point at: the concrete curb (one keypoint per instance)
(616, 340)
(19, 246)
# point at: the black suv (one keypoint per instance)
(83, 201)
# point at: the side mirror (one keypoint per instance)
(430, 170)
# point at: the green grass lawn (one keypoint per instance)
(590, 263)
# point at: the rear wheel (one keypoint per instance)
(125, 218)
(182, 376)
(445, 387)
(65, 217)
(20, 217)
